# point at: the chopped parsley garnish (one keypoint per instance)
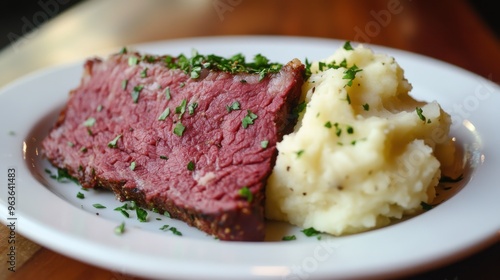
(246, 193)
(123, 50)
(175, 231)
(195, 72)
(192, 107)
(164, 227)
(148, 58)
(347, 46)
(235, 64)
(328, 124)
(350, 129)
(248, 119)
(166, 214)
(264, 144)
(164, 157)
(179, 129)
(133, 60)
(123, 209)
(289, 238)
(307, 72)
(136, 92)
(120, 229)
(172, 229)
(164, 115)
(191, 166)
(343, 63)
(420, 114)
(84, 149)
(181, 108)
(80, 195)
(338, 130)
(233, 106)
(124, 84)
(71, 144)
(133, 205)
(260, 60)
(98, 206)
(132, 166)
(322, 65)
(366, 107)
(112, 143)
(350, 74)
(333, 65)
(62, 176)
(262, 74)
(89, 122)
(299, 109)
(299, 153)
(144, 73)
(99, 108)
(167, 93)
(310, 232)
(142, 215)
(348, 98)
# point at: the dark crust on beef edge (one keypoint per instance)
(243, 222)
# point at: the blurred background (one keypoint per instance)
(119, 22)
(39, 33)
(18, 14)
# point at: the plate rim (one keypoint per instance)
(465, 251)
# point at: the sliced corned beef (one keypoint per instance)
(198, 143)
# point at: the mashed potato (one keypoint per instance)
(363, 152)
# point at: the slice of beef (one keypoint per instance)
(200, 148)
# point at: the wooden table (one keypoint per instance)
(448, 30)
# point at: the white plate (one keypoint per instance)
(49, 213)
